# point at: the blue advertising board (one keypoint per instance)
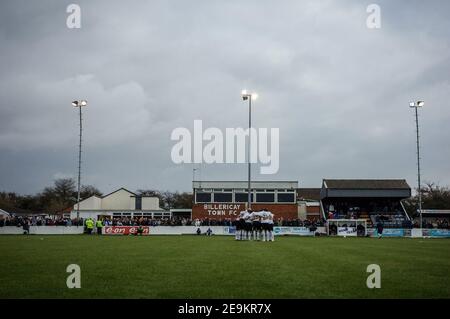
(301, 231)
(388, 232)
(440, 233)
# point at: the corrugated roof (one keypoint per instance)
(436, 211)
(308, 193)
(366, 183)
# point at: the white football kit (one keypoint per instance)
(270, 217)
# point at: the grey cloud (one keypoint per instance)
(338, 91)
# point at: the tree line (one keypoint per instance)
(62, 195)
(433, 197)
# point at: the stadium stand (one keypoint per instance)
(373, 200)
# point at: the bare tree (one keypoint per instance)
(89, 190)
(433, 197)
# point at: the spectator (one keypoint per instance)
(26, 226)
(89, 226)
(99, 225)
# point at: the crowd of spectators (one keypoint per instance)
(39, 220)
(174, 221)
(440, 223)
(177, 221)
(143, 221)
(351, 210)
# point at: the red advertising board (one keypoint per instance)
(124, 230)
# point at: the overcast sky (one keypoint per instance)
(337, 90)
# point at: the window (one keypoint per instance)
(242, 197)
(203, 197)
(138, 203)
(223, 197)
(286, 197)
(265, 197)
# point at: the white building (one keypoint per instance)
(120, 203)
(4, 214)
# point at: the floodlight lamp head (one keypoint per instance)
(417, 104)
(244, 95)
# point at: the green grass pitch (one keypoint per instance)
(219, 267)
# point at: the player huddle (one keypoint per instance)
(252, 225)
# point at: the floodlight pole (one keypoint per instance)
(249, 96)
(416, 105)
(249, 148)
(193, 173)
(79, 168)
(418, 166)
(79, 104)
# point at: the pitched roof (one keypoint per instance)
(83, 199)
(366, 183)
(122, 188)
(4, 212)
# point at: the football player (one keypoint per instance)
(256, 225)
(240, 226)
(271, 235)
(248, 224)
(265, 225)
